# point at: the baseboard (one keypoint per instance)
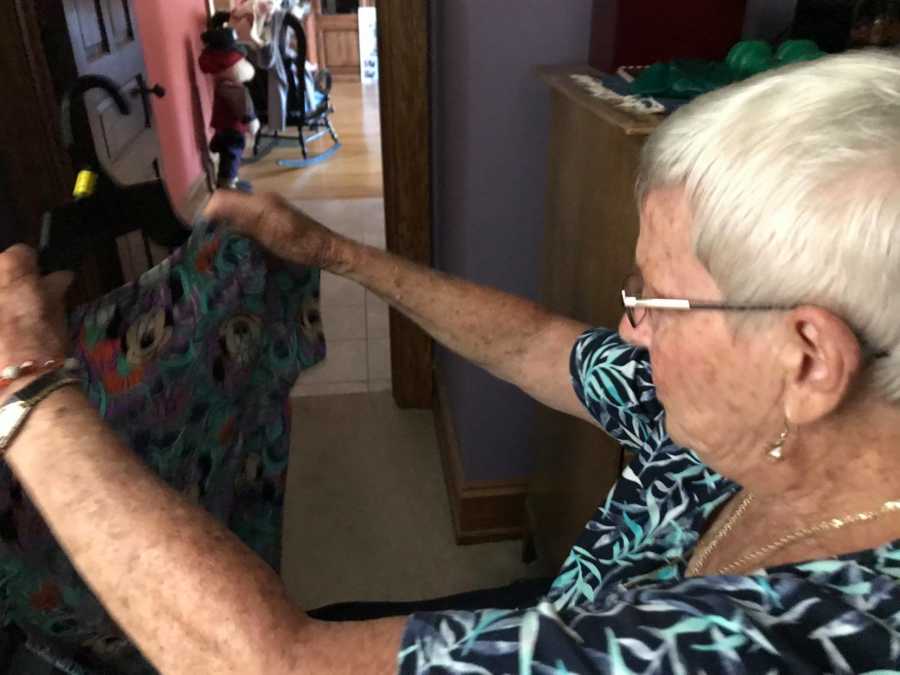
(482, 511)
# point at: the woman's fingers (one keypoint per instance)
(239, 211)
(273, 222)
(195, 206)
(32, 310)
(17, 262)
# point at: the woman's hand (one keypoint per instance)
(281, 228)
(32, 309)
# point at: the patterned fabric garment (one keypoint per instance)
(192, 365)
(622, 603)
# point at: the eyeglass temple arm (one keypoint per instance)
(631, 302)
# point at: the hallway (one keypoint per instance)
(366, 515)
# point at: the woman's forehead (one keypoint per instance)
(664, 240)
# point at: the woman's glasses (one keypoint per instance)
(637, 307)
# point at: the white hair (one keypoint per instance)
(793, 179)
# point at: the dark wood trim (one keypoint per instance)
(448, 445)
(36, 173)
(46, 94)
(34, 167)
(403, 49)
(483, 511)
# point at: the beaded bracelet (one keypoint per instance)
(12, 373)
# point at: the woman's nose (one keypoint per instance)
(640, 336)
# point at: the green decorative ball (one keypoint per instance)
(795, 51)
(750, 57)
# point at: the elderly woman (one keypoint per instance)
(756, 375)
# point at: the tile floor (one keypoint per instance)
(355, 320)
(366, 510)
(366, 514)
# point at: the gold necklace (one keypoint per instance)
(698, 561)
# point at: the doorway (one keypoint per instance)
(36, 173)
(346, 193)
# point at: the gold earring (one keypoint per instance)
(776, 451)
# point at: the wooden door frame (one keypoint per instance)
(30, 133)
(404, 81)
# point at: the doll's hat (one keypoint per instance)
(222, 50)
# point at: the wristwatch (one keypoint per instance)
(18, 407)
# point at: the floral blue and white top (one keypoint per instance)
(622, 603)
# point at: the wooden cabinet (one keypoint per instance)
(335, 40)
(591, 231)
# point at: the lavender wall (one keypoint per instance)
(491, 130)
(491, 122)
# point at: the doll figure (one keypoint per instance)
(233, 113)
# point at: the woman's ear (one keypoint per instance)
(821, 362)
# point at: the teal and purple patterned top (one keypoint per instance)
(192, 365)
(622, 603)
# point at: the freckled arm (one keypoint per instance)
(512, 338)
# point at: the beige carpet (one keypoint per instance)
(367, 516)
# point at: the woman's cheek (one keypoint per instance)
(673, 387)
(661, 377)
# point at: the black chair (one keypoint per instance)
(308, 101)
(108, 209)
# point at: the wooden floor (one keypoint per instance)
(354, 172)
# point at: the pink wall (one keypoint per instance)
(170, 30)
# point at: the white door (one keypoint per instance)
(105, 41)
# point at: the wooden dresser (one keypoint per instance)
(333, 38)
(591, 231)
